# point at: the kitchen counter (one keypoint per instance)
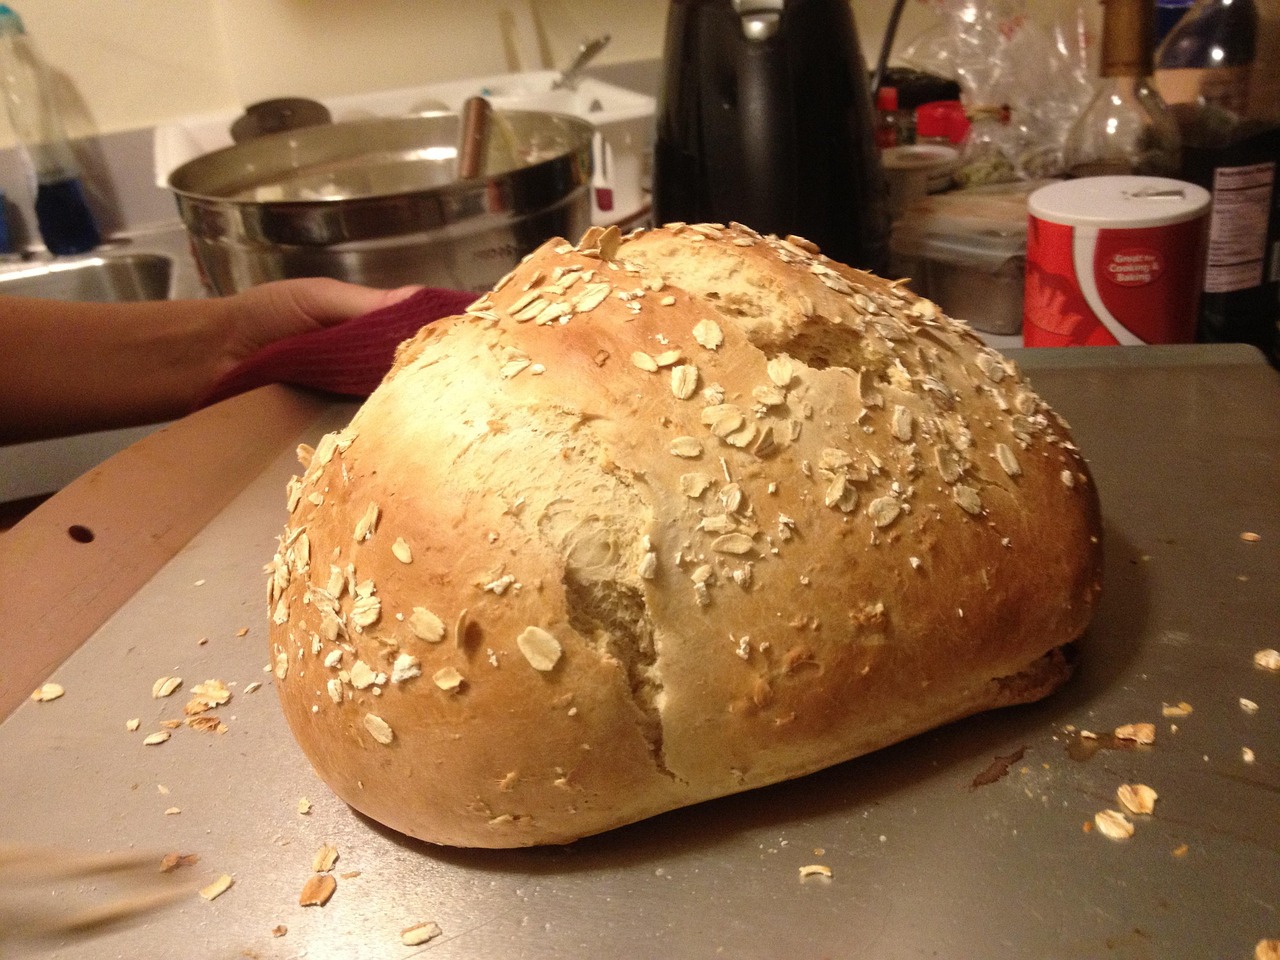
(975, 840)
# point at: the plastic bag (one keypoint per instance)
(1022, 83)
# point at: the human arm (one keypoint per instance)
(71, 367)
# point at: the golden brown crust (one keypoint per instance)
(710, 510)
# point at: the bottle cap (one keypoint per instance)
(887, 99)
(942, 120)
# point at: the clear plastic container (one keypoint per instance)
(66, 225)
(966, 251)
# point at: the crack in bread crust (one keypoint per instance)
(614, 618)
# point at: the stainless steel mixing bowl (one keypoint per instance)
(379, 201)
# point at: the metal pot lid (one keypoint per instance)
(273, 116)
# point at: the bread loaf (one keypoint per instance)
(663, 518)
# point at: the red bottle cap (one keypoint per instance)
(942, 119)
(887, 99)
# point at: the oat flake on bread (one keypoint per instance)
(820, 518)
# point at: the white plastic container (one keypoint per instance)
(965, 250)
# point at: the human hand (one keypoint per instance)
(285, 308)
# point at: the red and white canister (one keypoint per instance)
(1114, 260)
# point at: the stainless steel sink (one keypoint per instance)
(111, 278)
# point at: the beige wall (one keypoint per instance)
(126, 64)
(129, 64)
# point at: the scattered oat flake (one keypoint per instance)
(154, 739)
(540, 648)
(1113, 824)
(242, 632)
(814, 870)
(402, 551)
(304, 807)
(378, 728)
(1144, 733)
(644, 361)
(780, 370)
(687, 447)
(1266, 659)
(350, 874)
(216, 889)
(1180, 850)
(1248, 706)
(1136, 797)
(1246, 755)
(279, 930)
(133, 724)
(324, 859)
(419, 933)
(47, 692)
(252, 686)
(1250, 537)
(165, 687)
(684, 381)
(172, 811)
(708, 334)
(317, 890)
(1182, 709)
(426, 625)
(448, 678)
(212, 693)
(367, 525)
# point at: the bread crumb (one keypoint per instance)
(419, 933)
(216, 889)
(304, 807)
(317, 890)
(279, 930)
(1267, 950)
(1143, 733)
(1182, 709)
(173, 861)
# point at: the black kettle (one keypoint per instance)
(765, 117)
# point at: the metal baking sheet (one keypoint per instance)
(926, 859)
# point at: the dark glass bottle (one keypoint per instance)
(1210, 71)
